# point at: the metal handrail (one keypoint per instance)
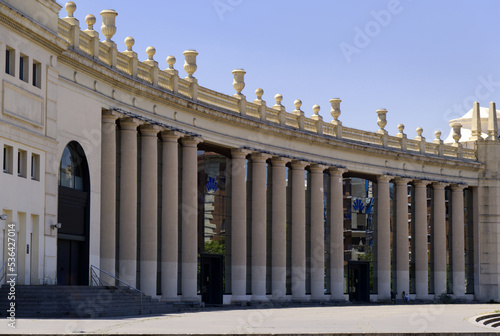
(3, 271)
(96, 279)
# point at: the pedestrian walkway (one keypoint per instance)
(356, 320)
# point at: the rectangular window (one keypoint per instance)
(21, 163)
(37, 74)
(35, 167)
(9, 61)
(7, 159)
(23, 68)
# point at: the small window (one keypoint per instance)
(7, 159)
(23, 68)
(21, 163)
(37, 74)
(9, 61)
(35, 167)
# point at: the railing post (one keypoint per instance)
(174, 74)
(239, 85)
(133, 60)
(190, 67)
(299, 113)
(420, 138)
(94, 36)
(74, 33)
(402, 137)
(281, 109)
(381, 122)
(262, 103)
(335, 112)
(318, 119)
(108, 29)
(153, 74)
(439, 143)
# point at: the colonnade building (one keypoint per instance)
(114, 166)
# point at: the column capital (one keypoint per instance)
(238, 153)
(258, 157)
(149, 130)
(334, 171)
(190, 141)
(458, 187)
(317, 168)
(439, 185)
(298, 165)
(278, 161)
(170, 136)
(384, 178)
(130, 124)
(421, 183)
(401, 180)
(109, 116)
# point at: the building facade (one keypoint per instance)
(189, 194)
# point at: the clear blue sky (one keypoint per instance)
(424, 61)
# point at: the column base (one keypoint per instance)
(319, 298)
(301, 298)
(171, 299)
(190, 299)
(239, 298)
(260, 298)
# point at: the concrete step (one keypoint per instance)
(81, 301)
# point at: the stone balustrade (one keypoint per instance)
(126, 62)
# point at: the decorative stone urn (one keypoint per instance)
(239, 80)
(457, 134)
(108, 27)
(190, 62)
(335, 111)
(382, 120)
(278, 98)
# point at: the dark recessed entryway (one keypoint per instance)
(73, 215)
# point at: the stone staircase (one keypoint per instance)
(82, 302)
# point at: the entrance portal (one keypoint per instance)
(211, 278)
(73, 215)
(359, 281)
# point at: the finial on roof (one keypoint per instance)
(70, 7)
(171, 61)
(150, 51)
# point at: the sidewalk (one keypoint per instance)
(390, 319)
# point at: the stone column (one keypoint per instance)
(317, 233)
(420, 240)
(298, 231)
(108, 192)
(170, 215)
(278, 273)
(402, 244)
(128, 201)
(189, 220)
(259, 220)
(439, 241)
(149, 208)
(336, 222)
(238, 225)
(383, 237)
(458, 240)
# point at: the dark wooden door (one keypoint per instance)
(72, 240)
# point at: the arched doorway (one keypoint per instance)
(73, 214)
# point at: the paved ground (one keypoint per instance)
(308, 320)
